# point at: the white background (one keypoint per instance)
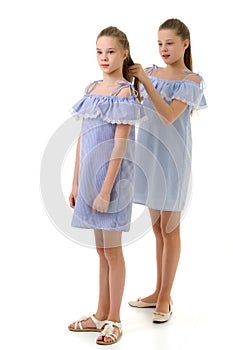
(47, 58)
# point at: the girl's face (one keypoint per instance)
(110, 54)
(171, 46)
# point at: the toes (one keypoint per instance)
(104, 339)
(73, 326)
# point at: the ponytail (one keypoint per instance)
(136, 84)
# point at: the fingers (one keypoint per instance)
(134, 67)
(100, 210)
(135, 70)
(100, 205)
(72, 204)
(72, 201)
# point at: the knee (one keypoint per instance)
(160, 230)
(113, 255)
(101, 252)
(157, 230)
(169, 234)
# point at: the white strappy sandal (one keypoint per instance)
(108, 332)
(78, 327)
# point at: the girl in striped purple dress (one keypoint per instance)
(102, 191)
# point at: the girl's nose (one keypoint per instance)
(104, 57)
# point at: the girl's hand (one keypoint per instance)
(137, 71)
(101, 203)
(73, 196)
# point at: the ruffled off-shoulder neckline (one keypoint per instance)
(112, 109)
(185, 90)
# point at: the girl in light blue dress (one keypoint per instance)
(164, 153)
(102, 191)
(101, 115)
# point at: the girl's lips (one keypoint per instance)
(166, 56)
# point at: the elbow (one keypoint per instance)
(169, 117)
(167, 121)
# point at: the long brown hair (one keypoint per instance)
(122, 39)
(182, 31)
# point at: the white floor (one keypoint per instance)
(46, 280)
(49, 281)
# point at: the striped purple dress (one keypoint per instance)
(100, 115)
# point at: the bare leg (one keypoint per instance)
(115, 258)
(155, 220)
(116, 278)
(104, 297)
(170, 229)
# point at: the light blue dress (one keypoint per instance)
(100, 115)
(164, 152)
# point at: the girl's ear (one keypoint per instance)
(126, 54)
(186, 44)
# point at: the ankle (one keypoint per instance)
(114, 318)
(164, 297)
(101, 316)
(151, 298)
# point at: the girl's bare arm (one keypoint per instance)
(101, 202)
(74, 191)
(167, 112)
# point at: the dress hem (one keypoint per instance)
(103, 228)
(156, 208)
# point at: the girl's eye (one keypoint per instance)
(169, 43)
(111, 51)
(98, 52)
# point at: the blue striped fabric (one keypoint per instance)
(100, 116)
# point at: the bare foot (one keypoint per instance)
(151, 298)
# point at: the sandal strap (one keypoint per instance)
(108, 330)
(78, 323)
(115, 324)
(98, 323)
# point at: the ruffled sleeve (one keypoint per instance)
(85, 108)
(184, 90)
(120, 110)
(191, 93)
(112, 109)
